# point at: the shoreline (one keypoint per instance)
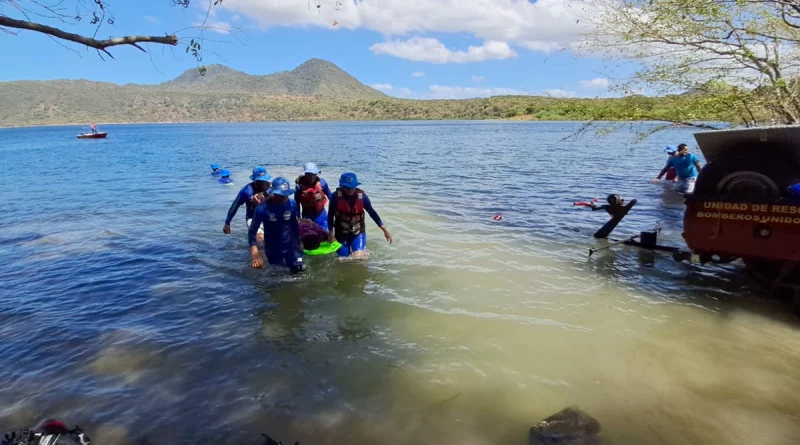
(521, 118)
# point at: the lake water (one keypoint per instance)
(126, 310)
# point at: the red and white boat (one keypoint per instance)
(92, 135)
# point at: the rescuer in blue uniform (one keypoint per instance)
(279, 216)
(250, 195)
(225, 177)
(312, 194)
(215, 170)
(346, 217)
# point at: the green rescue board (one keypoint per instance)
(324, 249)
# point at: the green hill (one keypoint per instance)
(315, 77)
(315, 90)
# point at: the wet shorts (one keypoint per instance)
(250, 220)
(685, 186)
(352, 243)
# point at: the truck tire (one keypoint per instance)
(749, 177)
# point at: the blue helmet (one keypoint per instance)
(215, 166)
(281, 187)
(349, 180)
(311, 168)
(260, 174)
(670, 149)
(225, 173)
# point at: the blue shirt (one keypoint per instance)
(281, 228)
(310, 212)
(352, 201)
(684, 165)
(225, 180)
(243, 197)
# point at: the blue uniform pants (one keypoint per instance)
(351, 243)
(321, 219)
(285, 255)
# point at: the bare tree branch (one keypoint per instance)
(8, 22)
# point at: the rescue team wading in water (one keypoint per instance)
(686, 165)
(346, 217)
(312, 194)
(215, 170)
(279, 217)
(250, 195)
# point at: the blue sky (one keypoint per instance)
(406, 48)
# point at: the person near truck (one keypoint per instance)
(687, 167)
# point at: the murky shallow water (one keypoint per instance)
(124, 308)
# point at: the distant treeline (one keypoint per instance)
(62, 102)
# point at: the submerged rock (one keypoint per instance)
(570, 426)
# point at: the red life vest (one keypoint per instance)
(349, 220)
(313, 197)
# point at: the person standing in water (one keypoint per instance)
(225, 177)
(215, 170)
(671, 175)
(687, 167)
(346, 217)
(312, 194)
(250, 195)
(279, 217)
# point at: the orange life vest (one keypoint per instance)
(349, 219)
(313, 197)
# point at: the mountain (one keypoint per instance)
(316, 77)
(315, 90)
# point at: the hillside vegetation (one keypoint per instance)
(316, 90)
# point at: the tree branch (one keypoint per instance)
(8, 22)
(687, 124)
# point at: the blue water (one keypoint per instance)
(125, 309)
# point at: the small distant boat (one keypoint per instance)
(92, 135)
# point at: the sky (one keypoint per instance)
(422, 49)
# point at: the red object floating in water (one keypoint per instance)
(585, 203)
(497, 217)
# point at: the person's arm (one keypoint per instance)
(697, 163)
(297, 195)
(326, 189)
(295, 224)
(331, 216)
(663, 171)
(258, 219)
(375, 217)
(232, 210)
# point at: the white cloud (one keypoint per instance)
(219, 27)
(598, 82)
(458, 92)
(417, 74)
(559, 93)
(544, 25)
(478, 78)
(236, 18)
(382, 86)
(427, 49)
(391, 90)
(151, 19)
